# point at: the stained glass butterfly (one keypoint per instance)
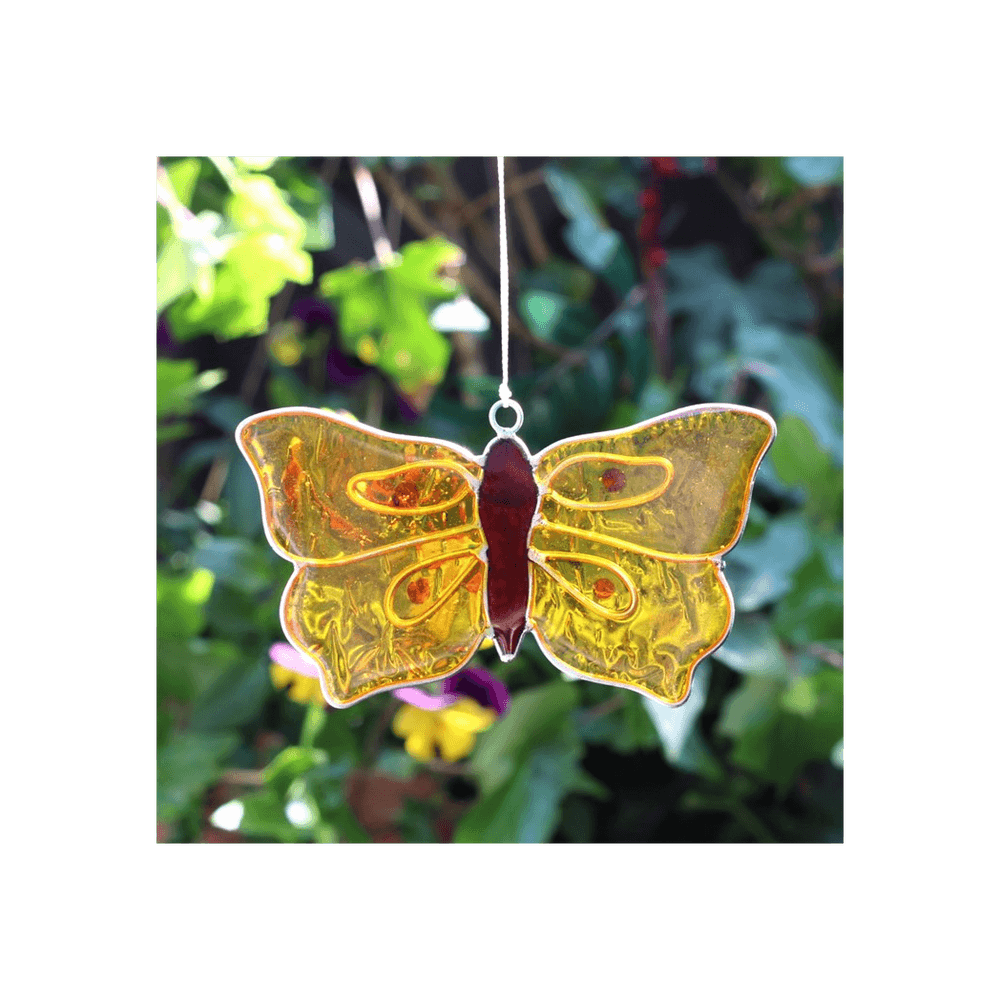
(410, 551)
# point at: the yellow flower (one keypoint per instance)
(291, 671)
(450, 730)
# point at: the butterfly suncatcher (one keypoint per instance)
(410, 551)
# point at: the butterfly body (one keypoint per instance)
(408, 552)
(508, 499)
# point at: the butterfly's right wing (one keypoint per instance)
(385, 537)
(627, 583)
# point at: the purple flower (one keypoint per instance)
(481, 686)
(446, 725)
(312, 313)
(476, 683)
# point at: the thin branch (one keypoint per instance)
(373, 212)
(538, 249)
(482, 232)
(481, 290)
(578, 355)
(241, 777)
(512, 186)
(605, 708)
(827, 655)
(765, 224)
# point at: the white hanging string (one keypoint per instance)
(505, 393)
(505, 401)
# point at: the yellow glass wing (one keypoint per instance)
(627, 585)
(386, 541)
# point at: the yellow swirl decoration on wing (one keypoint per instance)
(410, 494)
(544, 560)
(606, 483)
(427, 594)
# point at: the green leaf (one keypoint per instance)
(807, 727)
(383, 312)
(263, 814)
(532, 717)
(255, 162)
(419, 266)
(185, 767)
(588, 237)
(815, 171)
(753, 648)
(595, 383)
(563, 277)
(715, 303)
(799, 461)
(292, 763)
(187, 258)
(752, 704)
(186, 669)
(625, 731)
(798, 375)
(235, 561)
(524, 809)
(258, 206)
(813, 610)
(677, 724)
(180, 602)
(760, 570)
(542, 311)
(183, 177)
(234, 700)
(526, 763)
(178, 384)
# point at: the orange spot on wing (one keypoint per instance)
(603, 588)
(613, 480)
(291, 478)
(418, 590)
(405, 495)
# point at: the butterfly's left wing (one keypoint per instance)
(627, 585)
(385, 537)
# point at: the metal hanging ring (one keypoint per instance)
(499, 428)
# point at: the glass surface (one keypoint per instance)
(626, 587)
(508, 497)
(388, 544)
(383, 531)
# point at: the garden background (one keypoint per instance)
(638, 285)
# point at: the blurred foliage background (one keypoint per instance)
(638, 285)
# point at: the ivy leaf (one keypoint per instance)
(532, 717)
(290, 764)
(596, 245)
(542, 311)
(760, 570)
(798, 374)
(815, 171)
(807, 725)
(525, 808)
(185, 767)
(677, 724)
(180, 602)
(383, 313)
(179, 383)
(813, 609)
(753, 648)
(800, 462)
(263, 814)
